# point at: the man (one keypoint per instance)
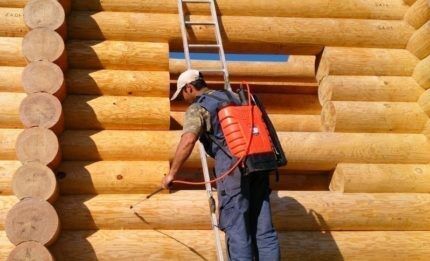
(245, 214)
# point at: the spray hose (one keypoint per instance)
(240, 160)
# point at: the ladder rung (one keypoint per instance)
(210, 70)
(196, 1)
(204, 45)
(200, 23)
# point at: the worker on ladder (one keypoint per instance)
(244, 204)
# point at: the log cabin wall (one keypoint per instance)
(351, 102)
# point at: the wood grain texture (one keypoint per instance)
(118, 55)
(385, 117)
(12, 22)
(43, 76)
(419, 44)
(418, 14)
(118, 82)
(291, 210)
(11, 54)
(35, 180)
(369, 88)
(324, 8)
(422, 73)
(381, 178)
(366, 62)
(239, 29)
(9, 116)
(32, 220)
(46, 14)
(424, 101)
(116, 112)
(10, 79)
(30, 250)
(7, 169)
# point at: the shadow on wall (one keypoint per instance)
(308, 238)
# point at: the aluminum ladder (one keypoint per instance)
(218, 46)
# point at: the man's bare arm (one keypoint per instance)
(183, 151)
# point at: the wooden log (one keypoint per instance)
(353, 116)
(118, 82)
(32, 220)
(422, 73)
(7, 146)
(43, 76)
(11, 54)
(297, 67)
(46, 14)
(277, 104)
(198, 244)
(30, 250)
(424, 102)
(10, 79)
(381, 178)
(40, 145)
(368, 88)
(7, 169)
(42, 44)
(12, 22)
(346, 9)
(360, 61)
(42, 110)
(116, 112)
(291, 210)
(118, 55)
(101, 177)
(238, 29)
(9, 116)
(35, 180)
(117, 145)
(409, 2)
(281, 122)
(418, 14)
(419, 44)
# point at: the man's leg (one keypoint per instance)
(265, 234)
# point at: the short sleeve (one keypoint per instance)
(193, 119)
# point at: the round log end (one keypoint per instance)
(30, 251)
(35, 180)
(32, 220)
(40, 110)
(38, 145)
(43, 76)
(44, 14)
(424, 101)
(325, 91)
(328, 117)
(43, 44)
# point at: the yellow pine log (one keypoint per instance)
(238, 29)
(418, 14)
(422, 73)
(10, 79)
(353, 116)
(22, 3)
(298, 66)
(118, 82)
(97, 112)
(81, 177)
(305, 150)
(324, 8)
(381, 178)
(198, 244)
(116, 112)
(12, 22)
(409, 2)
(118, 55)
(424, 102)
(281, 122)
(368, 88)
(11, 52)
(419, 44)
(7, 169)
(297, 104)
(366, 61)
(291, 210)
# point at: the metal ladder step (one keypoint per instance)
(196, 1)
(199, 23)
(203, 45)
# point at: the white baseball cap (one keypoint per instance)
(188, 76)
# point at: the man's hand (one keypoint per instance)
(166, 181)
